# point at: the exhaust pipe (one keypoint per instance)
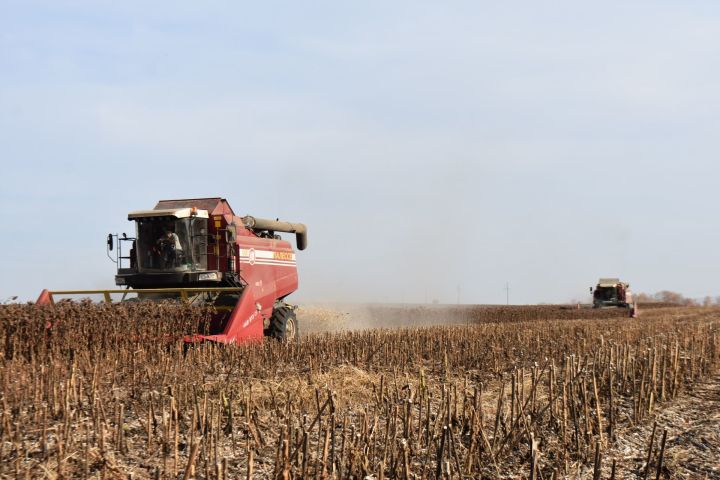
(299, 229)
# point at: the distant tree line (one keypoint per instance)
(666, 296)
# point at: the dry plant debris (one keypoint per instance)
(109, 391)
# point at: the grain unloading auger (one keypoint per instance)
(197, 250)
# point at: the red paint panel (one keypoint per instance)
(44, 298)
(245, 322)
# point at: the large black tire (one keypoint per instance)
(283, 325)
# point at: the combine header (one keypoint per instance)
(197, 250)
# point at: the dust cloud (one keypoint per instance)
(329, 317)
(315, 318)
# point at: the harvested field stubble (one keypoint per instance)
(109, 391)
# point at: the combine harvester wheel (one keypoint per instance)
(283, 325)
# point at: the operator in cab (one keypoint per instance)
(170, 249)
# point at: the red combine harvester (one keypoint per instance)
(611, 292)
(197, 250)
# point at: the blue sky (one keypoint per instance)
(426, 145)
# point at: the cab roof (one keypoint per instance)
(214, 205)
(609, 282)
(168, 212)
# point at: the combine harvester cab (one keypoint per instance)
(198, 251)
(612, 293)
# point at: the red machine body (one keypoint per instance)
(611, 293)
(200, 251)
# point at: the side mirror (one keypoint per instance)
(110, 243)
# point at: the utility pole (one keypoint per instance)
(458, 294)
(507, 293)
